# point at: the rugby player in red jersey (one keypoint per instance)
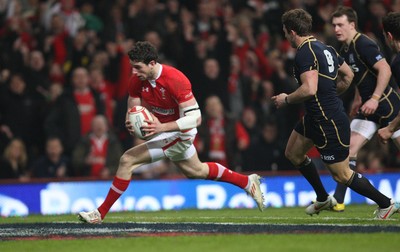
(167, 93)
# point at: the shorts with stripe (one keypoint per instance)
(331, 137)
(389, 107)
(175, 145)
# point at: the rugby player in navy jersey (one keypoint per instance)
(375, 101)
(321, 75)
(391, 28)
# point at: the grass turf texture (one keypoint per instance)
(353, 215)
(232, 243)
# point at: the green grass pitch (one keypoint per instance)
(354, 215)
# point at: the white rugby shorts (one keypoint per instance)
(367, 128)
(175, 145)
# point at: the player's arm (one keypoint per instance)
(345, 77)
(372, 57)
(308, 89)
(383, 77)
(386, 132)
(132, 101)
(382, 80)
(190, 118)
(191, 115)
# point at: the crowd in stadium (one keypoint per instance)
(64, 76)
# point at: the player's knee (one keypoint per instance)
(126, 161)
(353, 152)
(292, 158)
(340, 177)
(354, 148)
(336, 178)
(192, 174)
(288, 155)
(195, 172)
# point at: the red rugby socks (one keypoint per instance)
(118, 187)
(221, 173)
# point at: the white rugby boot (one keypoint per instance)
(385, 213)
(317, 206)
(254, 190)
(93, 217)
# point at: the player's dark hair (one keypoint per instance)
(297, 20)
(348, 12)
(143, 51)
(391, 23)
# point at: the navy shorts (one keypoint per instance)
(389, 107)
(331, 137)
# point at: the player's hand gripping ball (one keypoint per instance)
(137, 115)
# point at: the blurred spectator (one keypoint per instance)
(220, 138)
(251, 123)
(56, 41)
(56, 73)
(14, 161)
(53, 164)
(145, 16)
(267, 154)
(155, 39)
(92, 21)
(212, 83)
(79, 53)
(68, 13)
(239, 42)
(105, 89)
(37, 74)
(264, 104)
(71, 116)
(395, 6)
(114, 24)
(273, 10)
(282, 81)
(285, 117)
(21, 114)
(98, 153)
(237, 84)
(173, 44)
(118, 69)
(56, 89)
(14, 41)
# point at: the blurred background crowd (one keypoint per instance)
(64, 77)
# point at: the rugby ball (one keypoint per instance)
(137, 115)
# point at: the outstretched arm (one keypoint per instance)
(307, 89)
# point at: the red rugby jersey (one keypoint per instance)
(163, 96)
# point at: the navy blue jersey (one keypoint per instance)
(314, 55)
(361, 55)
(395, 67)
